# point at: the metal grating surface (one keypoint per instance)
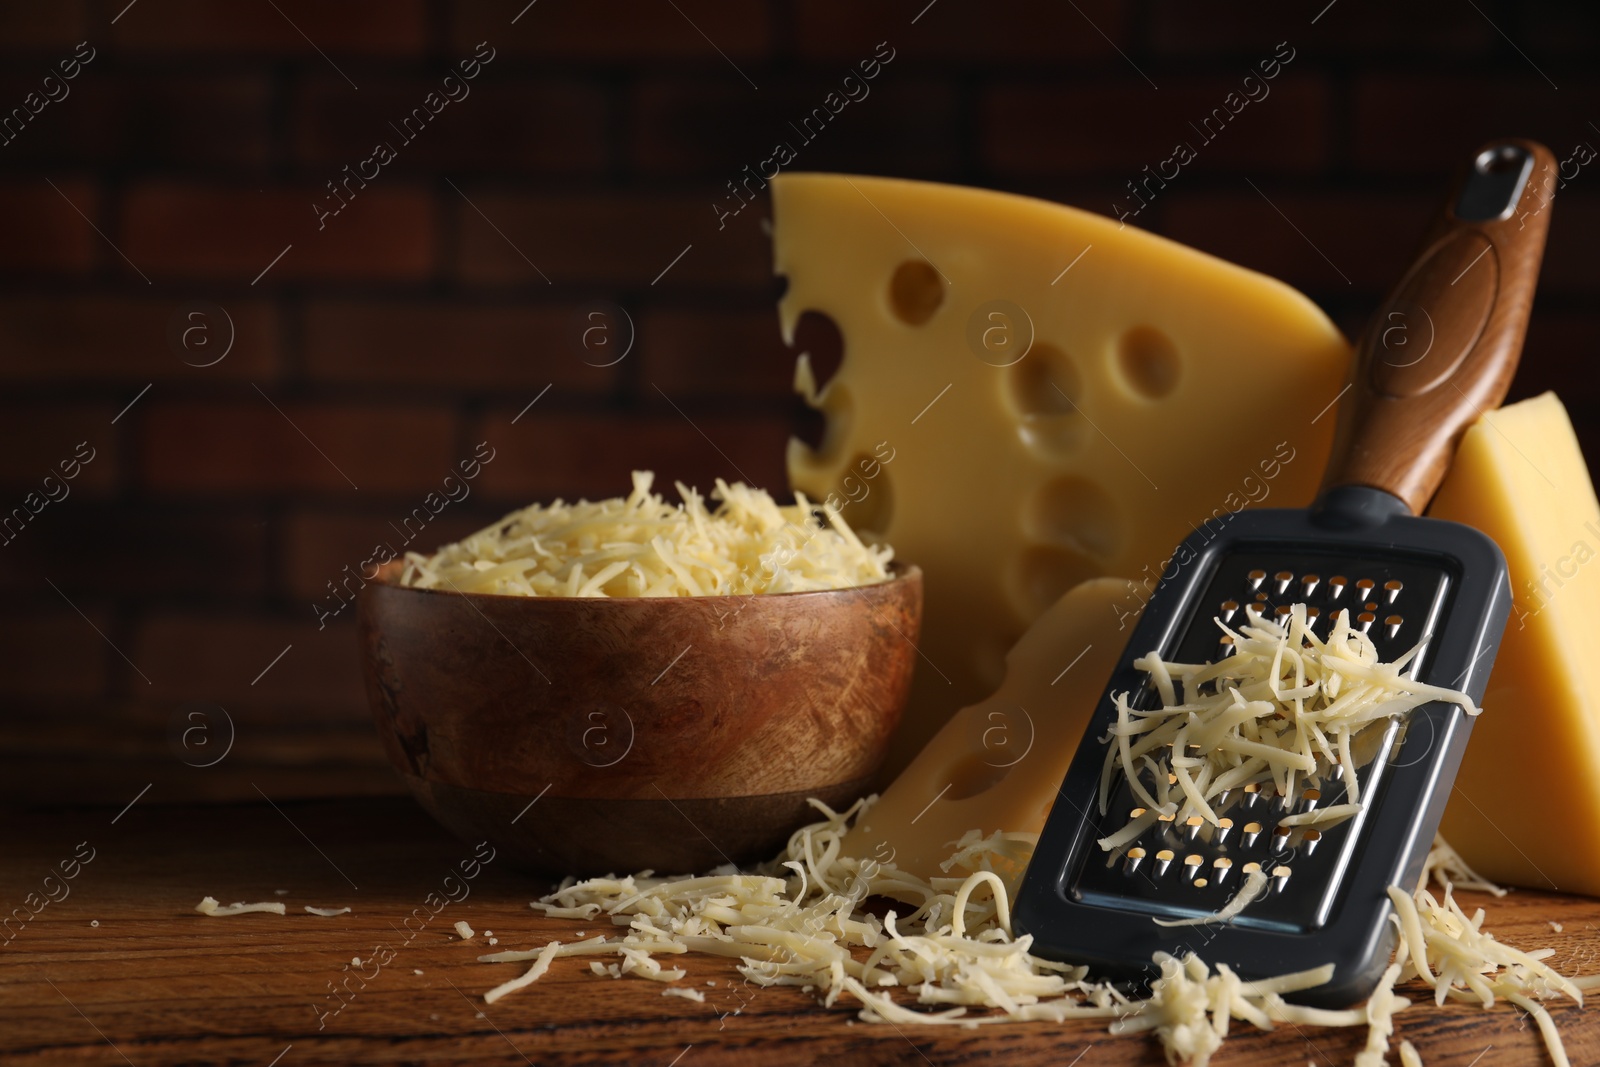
(1178, 870)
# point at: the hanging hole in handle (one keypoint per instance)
(1495, 183)
(1500, 159)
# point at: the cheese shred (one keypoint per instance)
(1285, 710)
(209, 906)
(1254, 883)
(642, 546)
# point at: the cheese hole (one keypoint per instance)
(1078, 514)
(865, 499)
(915, 291)
(1045, 382)
(1149, 362)
(1044, 389)
(1042, 573)
(818, 336)
(972, 775)
(839, 413)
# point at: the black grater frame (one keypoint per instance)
(1401, 816)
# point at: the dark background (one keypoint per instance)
(191, 148)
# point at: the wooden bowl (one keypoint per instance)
(587, 736)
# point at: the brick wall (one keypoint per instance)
(177, 171)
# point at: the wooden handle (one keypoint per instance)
(1442, 349)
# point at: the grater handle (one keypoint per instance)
(1443, 347)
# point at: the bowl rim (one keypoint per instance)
(899, 571)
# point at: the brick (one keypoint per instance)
(25, 24)
(1369, 237)
(1555, 26)
(249, 448)
(387, 232)
(564, 455)
(1006, 31)
(1431, 124)
(42, 230)
(706, 127)
(453, 346)
(286, 27)
(617, 32)
(1557, 355)
(560, 127)
(133, 340)
(624, 239)
(705, 352)
(55, 653)
(38, 437)
(1285, 131)
(1214, 29)
(148, 121)
(322, 547)
(157, 551)
(1574, 221)
(215, 655)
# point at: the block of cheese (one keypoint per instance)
(1526, 806)
(1031, 396)
(997, 765)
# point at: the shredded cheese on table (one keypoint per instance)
(685, 992)
(1449, 950)
(642, 546)
(209, 906)
(1445, 866)
(326, 913)
(954, 959)
(1285, 708)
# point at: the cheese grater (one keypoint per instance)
(1460, 312)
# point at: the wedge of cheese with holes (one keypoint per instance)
(997, 765)
(1031, 396)
(1526, 805)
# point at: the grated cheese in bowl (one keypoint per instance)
(642, 546)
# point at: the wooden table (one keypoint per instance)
(155, 983)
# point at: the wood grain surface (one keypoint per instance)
(155, 983)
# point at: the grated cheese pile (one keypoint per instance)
(798, 921)
(1285, 708)
(1451, 953)
(643, 546)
